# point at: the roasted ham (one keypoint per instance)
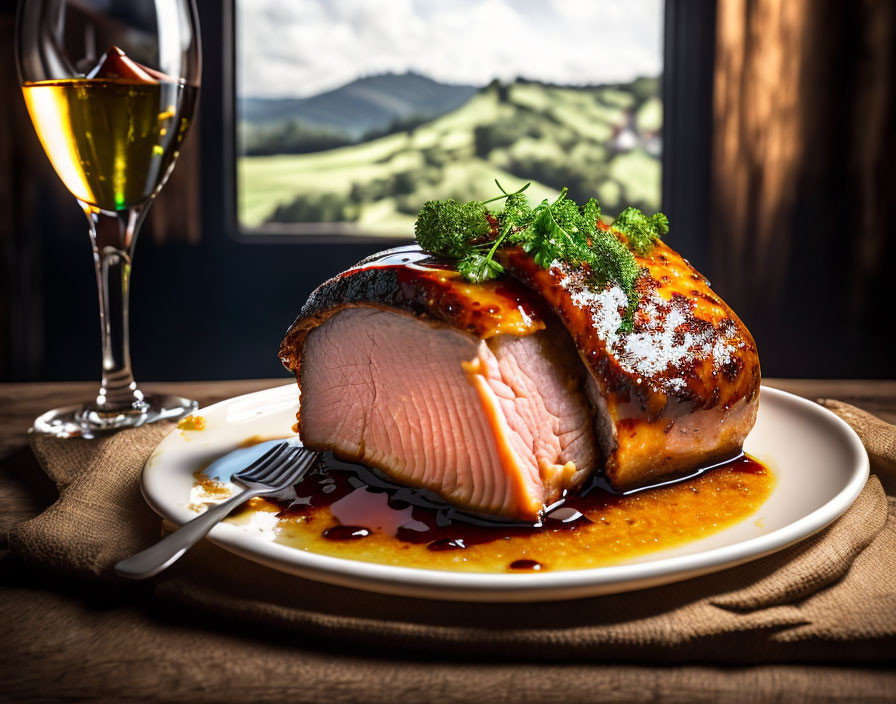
(500, 396)
(681, 390)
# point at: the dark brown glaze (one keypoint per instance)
(681, 390)
(345, 533)
(529, 565)
(409, 280)
(368, 503)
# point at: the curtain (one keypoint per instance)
(804, 158)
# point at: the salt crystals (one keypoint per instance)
(655, 346)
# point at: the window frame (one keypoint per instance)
(686, 89)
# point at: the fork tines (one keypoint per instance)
(281, 464)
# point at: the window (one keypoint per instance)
(351, 114)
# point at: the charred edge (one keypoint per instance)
(375, 286)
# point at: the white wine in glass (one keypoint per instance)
(111, 87)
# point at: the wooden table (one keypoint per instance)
(65, 639)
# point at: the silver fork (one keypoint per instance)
(277, 469)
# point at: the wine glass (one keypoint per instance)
(111, 86)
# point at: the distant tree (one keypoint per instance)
(399, 124)
(644, 87)
(404, 183)
(502, 90)
(323, 207)
(293, 137)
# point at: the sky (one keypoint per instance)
(298, 48)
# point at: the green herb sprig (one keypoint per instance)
(640, 229)
(558, 231)
(465, 230)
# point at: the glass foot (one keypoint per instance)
(88, 422)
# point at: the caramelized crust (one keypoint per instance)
(410, 280)
(678, 392)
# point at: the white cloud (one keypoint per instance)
(295, 48)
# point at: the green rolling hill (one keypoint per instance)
(597, 141)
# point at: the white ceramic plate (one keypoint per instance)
(818, 460)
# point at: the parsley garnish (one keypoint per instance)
(641, 230)
(561, 231)
(449, 228)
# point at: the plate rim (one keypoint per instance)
(529, 587)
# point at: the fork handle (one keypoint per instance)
(154, 559)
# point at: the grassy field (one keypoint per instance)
(523, 132)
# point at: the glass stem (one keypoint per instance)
(114, 236)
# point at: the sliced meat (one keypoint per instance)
(534, 385)
(432, 391)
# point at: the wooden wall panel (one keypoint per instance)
(758, 137)
(803, 178)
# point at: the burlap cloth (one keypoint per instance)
(831, 598)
